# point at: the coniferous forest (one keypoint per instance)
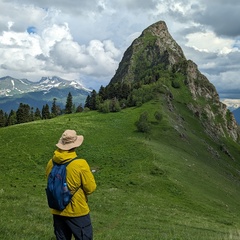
(26, 113)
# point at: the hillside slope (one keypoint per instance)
(172, 183)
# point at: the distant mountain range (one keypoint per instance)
(234, 106)
(36, 94)
(236, 114)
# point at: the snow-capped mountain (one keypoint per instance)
(232, 104)
(36, 94)
(11, 86)
(236, 114)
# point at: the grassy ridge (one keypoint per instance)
(155, 186)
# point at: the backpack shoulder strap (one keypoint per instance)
(66, 166)
(54, 163)
(71, 160)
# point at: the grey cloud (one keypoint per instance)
(137, 4)
(222, 16)
(41, 57)
(70, 7)
(214, 63)
(181, 16)
(20, 17)
(229, 93)
(85, 7)
(191, 29)
(232, 59)
(4, 66)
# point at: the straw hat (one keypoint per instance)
(69, 140)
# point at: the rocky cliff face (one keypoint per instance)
(200, 86)
(156, 49)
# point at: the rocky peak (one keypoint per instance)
(155, 46)
(165, 42)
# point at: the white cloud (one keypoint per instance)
(53, 34)
(209, 42)
(53, 51)
(103, 55)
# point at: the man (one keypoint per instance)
(74, 219)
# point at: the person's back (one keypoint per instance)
(74, 219)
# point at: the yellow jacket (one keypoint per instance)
(80, 182)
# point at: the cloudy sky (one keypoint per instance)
(85, 40)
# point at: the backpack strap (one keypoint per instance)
(72, 160)
(54, 163)
(66, 166)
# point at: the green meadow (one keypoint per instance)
(158, 185)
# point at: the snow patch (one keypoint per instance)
(232, 104)
(13, 84)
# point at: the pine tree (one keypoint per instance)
(69, 104)
(102, 93)
(32, 114)
(87, 102)
(54, 108)
(2, 119)
(12, 118)
(23, 113)
(93, 100)
(45, 112)
(37, 114)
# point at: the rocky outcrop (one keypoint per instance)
(200, 87)
(198, 84)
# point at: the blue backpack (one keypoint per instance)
(58, 195)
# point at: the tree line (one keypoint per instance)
(25, 113)
(118, 95)
(111, 98)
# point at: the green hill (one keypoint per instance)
(172, 183)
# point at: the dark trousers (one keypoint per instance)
(79, 227)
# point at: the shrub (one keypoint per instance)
(115, 105)
(105, 106)
(143, 124)
(158, 116)
(175, 84)
(110, 106)
(86, 109)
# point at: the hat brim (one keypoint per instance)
(69, 146)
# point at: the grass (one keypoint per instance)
(155, 186)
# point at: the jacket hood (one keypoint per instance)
(63, 156)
